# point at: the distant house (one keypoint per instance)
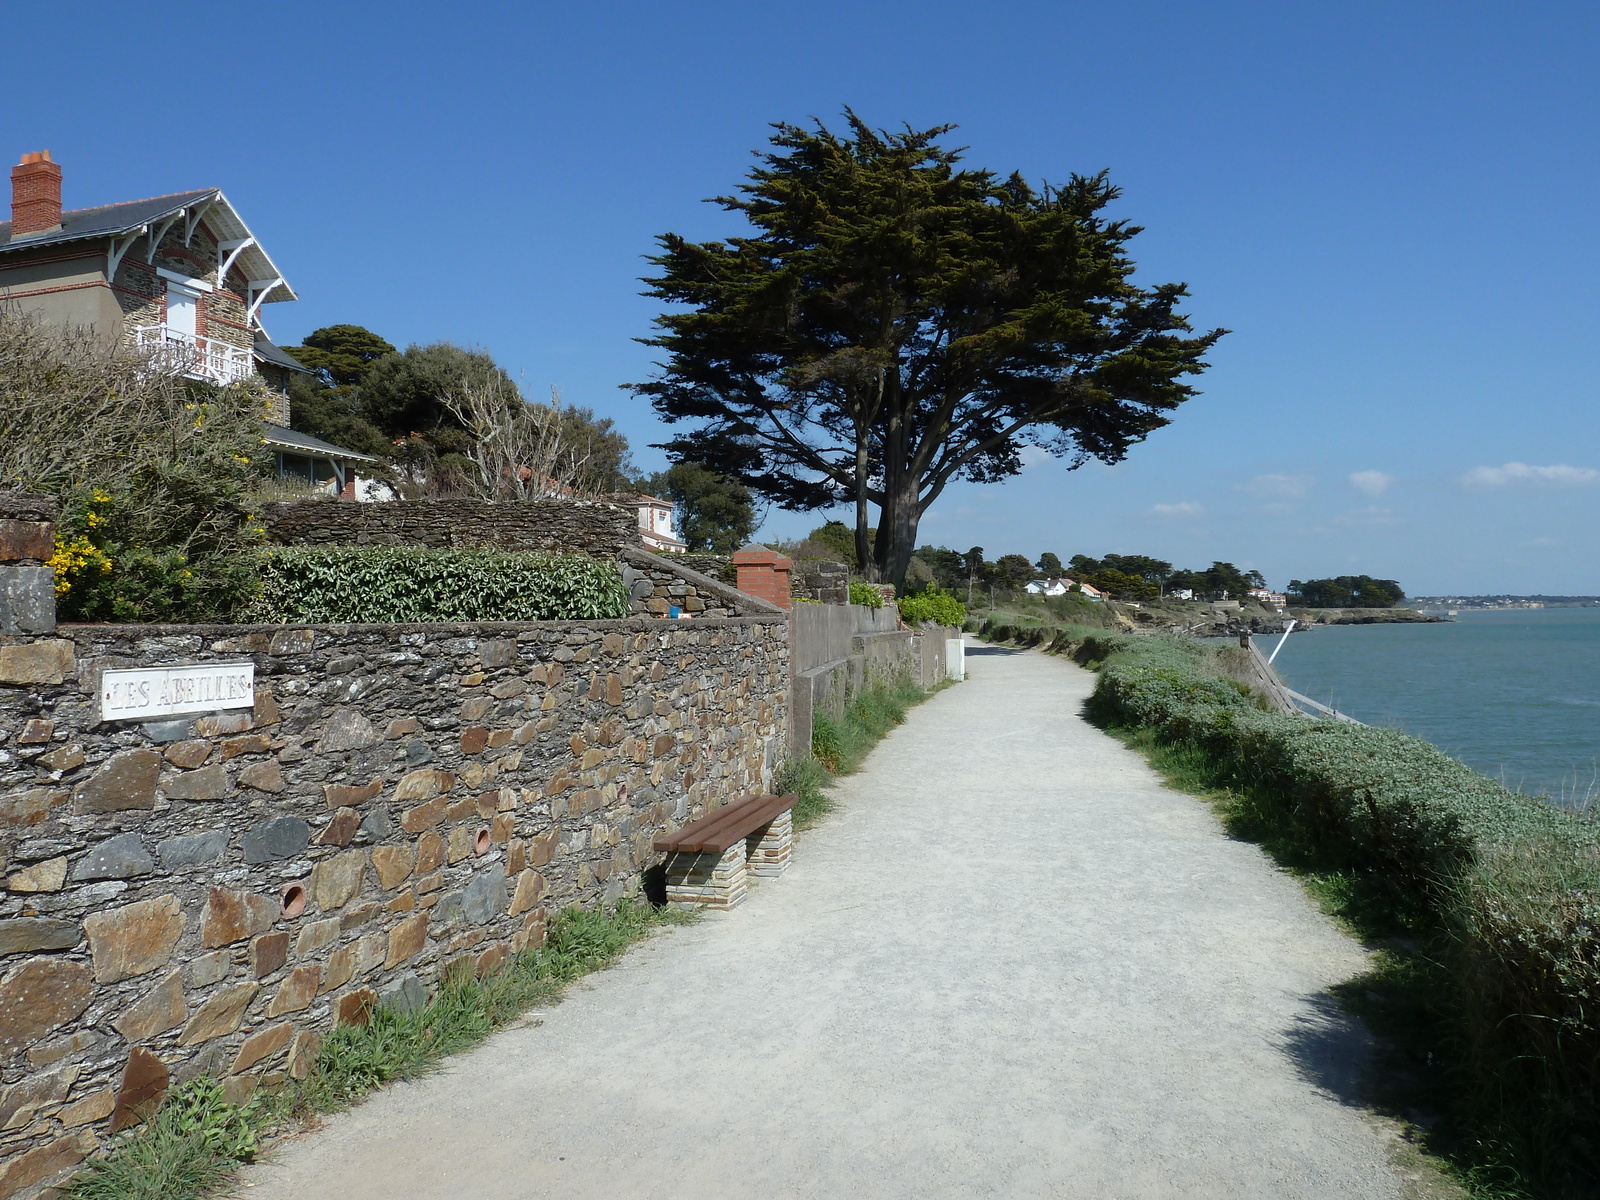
(1060, 587)
(1275, 599)
(179, 278)
(1181, 594)
(655, 523)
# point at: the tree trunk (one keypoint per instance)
(864, 560)
(897, 532)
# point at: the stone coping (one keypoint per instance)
(644, 624)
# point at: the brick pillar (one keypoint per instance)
(35, 195)
(764, 573)
(27, 584)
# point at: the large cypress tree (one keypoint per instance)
(895, 321)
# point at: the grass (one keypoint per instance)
(191, 1147)
(1419, 1073)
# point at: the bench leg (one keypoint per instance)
(768, 848)
(715, 880)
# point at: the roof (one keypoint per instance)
(267, 352)
(293, 439)
(136, 216)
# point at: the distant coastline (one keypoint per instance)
(1505, 601)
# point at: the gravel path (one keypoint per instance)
(1011, 964)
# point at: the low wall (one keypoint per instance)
(209, 894)
(824, 582)
(837, 650)
(659, 583)
(595, 528)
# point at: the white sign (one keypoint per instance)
(149, 692)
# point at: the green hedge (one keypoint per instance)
(1510, 883)
(356, 584)
(933, 605)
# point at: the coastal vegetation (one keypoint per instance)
(1346, 591)
(1483, 904)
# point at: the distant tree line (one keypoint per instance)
(1346, 591)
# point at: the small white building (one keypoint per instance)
(1060, 587)
(655, 524)
(1275, 599)
(1181, 594)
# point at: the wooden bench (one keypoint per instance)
(709, 861)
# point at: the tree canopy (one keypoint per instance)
(896, 321)
(1346, 591)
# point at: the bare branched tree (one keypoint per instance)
(520, 451)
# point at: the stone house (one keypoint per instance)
(178, 277)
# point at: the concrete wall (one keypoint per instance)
(838, 650)
(428, 793)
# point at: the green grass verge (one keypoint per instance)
(192, 1146)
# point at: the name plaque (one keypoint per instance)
(148, 692)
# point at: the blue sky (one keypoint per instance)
(1392, 205)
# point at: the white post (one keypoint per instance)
(1287, 630)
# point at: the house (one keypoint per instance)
(655, 523)
(179, 278)
(1181, 594)
(1060, 587)
(1275, 599)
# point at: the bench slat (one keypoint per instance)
(729, 824)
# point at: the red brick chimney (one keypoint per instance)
(35, 194)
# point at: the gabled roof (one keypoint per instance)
(138, 216)
(304, 443)
(267, 352)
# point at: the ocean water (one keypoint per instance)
(1513, 694)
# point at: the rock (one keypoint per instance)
(223, 724)
(42, 1054)
(144, 1083)
(32, 541)
(336, 881)
(279, 838)
(424, 816)
(188, 754)
(29, 807)
(206, 969)
(48, 660)
(49, 876)
(208, 783)
(96, 1106)
(315, 936)
(542, 849)
(121, 857)
(349, 795)
(485, 897)
(340, 831)
(303, 1053)
(219, 1015)
(192, 849)
(40, 995)
(406, 940)
(393, 864)
(22, 934)
(135, 938)
(42, 1162)
(430, 853)
(158, 1011)
(405, 994)
(355, 1008)
(259, 1047)
(170, 731)
(297, 991)
(268, 952)
(263, 776)
(126, 780)
(530, 890)
(501, 652)
(246, 743)
(375, 826)
(231, 916)
(347, 729)
(63, 758)
(418, 785)
(447, 913)
(23, 1099)
(36, 732)
(417, 753)
(401, 726)
(473, 739)
(341, 966)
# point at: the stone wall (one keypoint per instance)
(532, 525)
(659, 583)
(824, 582)
(27, 584)
(211, 894)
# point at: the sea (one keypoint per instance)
(1513, 693)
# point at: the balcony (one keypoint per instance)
(185, 354)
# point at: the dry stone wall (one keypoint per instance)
(211, 894)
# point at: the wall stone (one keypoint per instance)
(822, 581)
(601, 529)
(438, 791)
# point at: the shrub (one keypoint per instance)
(933, 605)
(866, 595)
(334, 585)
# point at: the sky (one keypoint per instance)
(1390, 205)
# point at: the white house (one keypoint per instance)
(1276, 599)
(1060, 587)
(1181, 594)
(655, 524)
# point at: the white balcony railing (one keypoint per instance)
(185, 354)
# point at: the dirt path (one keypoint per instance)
(1012, 964)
